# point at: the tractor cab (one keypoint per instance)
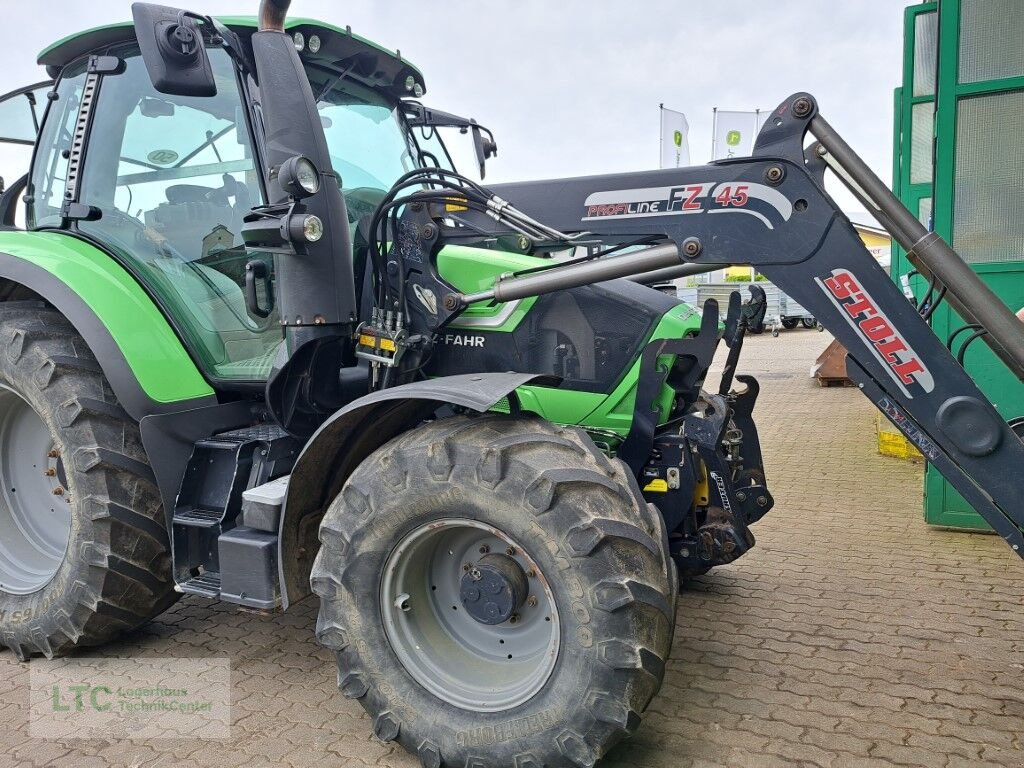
(163, 181)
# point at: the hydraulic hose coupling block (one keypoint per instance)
(494, 589)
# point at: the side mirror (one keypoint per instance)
(485, 147)
(173, 50)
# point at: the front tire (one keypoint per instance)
(83, 545)
(599, 580)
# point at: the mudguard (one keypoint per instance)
(142, 357)
(352, 434)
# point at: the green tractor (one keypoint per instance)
(259, 341)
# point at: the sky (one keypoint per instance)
(573, 87)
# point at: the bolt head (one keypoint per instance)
(691, 246)
(532, 601)
(802, 107)
(484, 549)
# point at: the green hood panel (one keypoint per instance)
(476, 269)
(611, 413)
(152, 350)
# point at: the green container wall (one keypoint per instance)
(959, 162)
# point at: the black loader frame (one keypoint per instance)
(785, 225)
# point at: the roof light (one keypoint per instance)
(300, 41)
(417, 90)
(410, 83)
(314, 43)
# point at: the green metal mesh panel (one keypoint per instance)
(991, 32)
(921, 131)
(988, 207)
(926, 44)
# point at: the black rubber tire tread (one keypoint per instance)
(583, 519)
(116, 574)
(789, 323)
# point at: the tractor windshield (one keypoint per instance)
(369, 145)
(369, 142)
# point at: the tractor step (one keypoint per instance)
(204, 585)
(217, 552)
(198, 518)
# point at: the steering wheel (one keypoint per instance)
(125, 220)
(362, 201)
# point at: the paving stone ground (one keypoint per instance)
(851, 635)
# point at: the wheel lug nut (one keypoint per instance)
(511, 551)
(58, 491)
(514, 618)
(484, 549)
(54, 453)
(532, 601)
(532, 573)
(50, 472)
(466, 566)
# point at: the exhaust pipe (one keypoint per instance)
(273, 14)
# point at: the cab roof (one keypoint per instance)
(335, 42)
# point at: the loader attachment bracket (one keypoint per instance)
(693, 357)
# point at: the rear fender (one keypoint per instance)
(352, 434)
(145, 362)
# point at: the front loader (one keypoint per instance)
(259, 339)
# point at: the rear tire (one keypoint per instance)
(600, 559)
(95, 494)
(789, 323)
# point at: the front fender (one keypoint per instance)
(352, 434)
(145, 362)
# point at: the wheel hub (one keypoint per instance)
(35, 511)
(494, 589)
(478, 630)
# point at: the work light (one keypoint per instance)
(299, 177)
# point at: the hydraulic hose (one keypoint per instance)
(273, 14)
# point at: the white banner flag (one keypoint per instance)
(675, 139)
(762, 118)
(734, 133)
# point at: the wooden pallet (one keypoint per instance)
(829, 370)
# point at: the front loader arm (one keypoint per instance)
(771, 211)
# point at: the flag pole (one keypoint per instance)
(714, 130)
(661, 132)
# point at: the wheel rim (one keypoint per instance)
(476, 666)
(35, 510)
